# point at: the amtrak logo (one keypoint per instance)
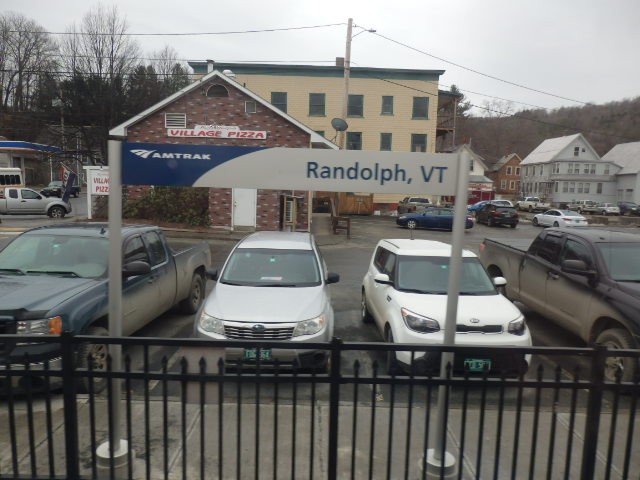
(170, 155)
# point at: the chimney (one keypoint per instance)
(339, 61)
(210, 65)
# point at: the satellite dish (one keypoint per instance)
(339, 125)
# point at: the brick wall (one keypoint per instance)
(202, 110)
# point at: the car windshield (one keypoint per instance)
(56, 255)
(622, 260)
(263, 267)
(430, 275)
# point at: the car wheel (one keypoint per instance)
(535, 222)
(490, 222)
(530, 209)
(56, 212)
(94, 355)
(604, 212)
(192, 303)
(365, 314)
(626, 367)
(556, 224)
(392, 361)
(513, 225)
(412, 224)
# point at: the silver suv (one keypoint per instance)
(273, 286)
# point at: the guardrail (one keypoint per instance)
(186, 414)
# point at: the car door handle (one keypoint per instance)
(553, 276)
(388, 298)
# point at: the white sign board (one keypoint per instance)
(98, 182)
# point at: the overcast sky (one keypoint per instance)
(559, 52)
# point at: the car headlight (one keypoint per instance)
(211, 324)
(517, 326)
(419, 323)
(311, 326)
(42, 326)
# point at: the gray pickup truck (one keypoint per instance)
(55, 279)
(584, 280)
(24, 201)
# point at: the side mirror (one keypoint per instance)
(332, 278)
(136, 267)
(212, 274)
(578, 267)
(499, 281)
(382, 278)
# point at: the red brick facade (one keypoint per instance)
(506, 177)
(201, 109)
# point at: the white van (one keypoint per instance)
(11, 177)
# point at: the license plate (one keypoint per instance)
(477, 364)
(252, 354)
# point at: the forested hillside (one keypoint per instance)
(602, 125)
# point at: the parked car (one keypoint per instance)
(54, 279)
(404, 292)
(609, 209)
(273, 286)
(477, 206)
(531, 204)
(411, 204)
(584, 206)
(559, 218)
(54, 189)
(629, 208)
(435, 217)
(497, 215)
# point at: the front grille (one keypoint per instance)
(479, 329)
(7, 327)
(268, 333)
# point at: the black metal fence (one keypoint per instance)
(184, 414)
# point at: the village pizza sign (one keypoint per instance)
(217, 131)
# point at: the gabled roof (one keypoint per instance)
(477, 158)
(121, 130)
(548, 150)
(502, 161)
(626, 155)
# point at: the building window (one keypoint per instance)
(587, 187)
(541, 170)
(420, 107)
(320, 132)
(471, 164)
(556, 187)
(354, 141)
(580, 187)
(175, 120)
(565, 187)
(572, 187)
(316, 104)
(606, 168)
(217, 91)
(250, 106)
(598, 188)
(518, 171)
(592, 169)
(526, 171)
(418, 142)
(512, 185)
(509, 170)
(355, 107)
(556, 167)
(586, 168)
(503, 184)
(576, 151)
(279, 100)
(385, 142)
(387, 105)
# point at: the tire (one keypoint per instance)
(556, 224)
(535, 222)
(365, 314)
(530, 209)
(604, 212)
(392, 362)
(56, 212)
(97, 354)
(513, 225)
(619, 338)
(192, 303)
(412, 224)
(490, 222)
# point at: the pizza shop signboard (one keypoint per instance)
(217, 131)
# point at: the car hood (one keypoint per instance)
(472, 310)
(266, 304)
(39, 292)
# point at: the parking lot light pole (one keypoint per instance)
(440, 463)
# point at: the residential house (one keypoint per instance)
(505, 174)
(204, 113)
(565, 169)
(387, 109)
(627, 156)
(480, 186)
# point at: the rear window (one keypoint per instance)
(505, 209)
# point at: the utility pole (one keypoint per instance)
(347, 72)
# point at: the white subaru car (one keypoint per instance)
(405, 293)
(273, 286)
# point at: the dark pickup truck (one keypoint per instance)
(585, 280)
(54, 189)
(55, 279)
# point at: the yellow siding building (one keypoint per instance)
(388, 109)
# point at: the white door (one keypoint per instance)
(244, 207)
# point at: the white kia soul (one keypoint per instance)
(405, 293)
(273, 286)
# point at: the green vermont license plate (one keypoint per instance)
(252, 354)
(477, 364)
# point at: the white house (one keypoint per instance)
(564, 169)
(627, 156)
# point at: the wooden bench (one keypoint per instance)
(340, 224)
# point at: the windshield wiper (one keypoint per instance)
(276, 285)
(13, 270)
(55, 272)
(426, 292)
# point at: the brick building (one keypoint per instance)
(216, 110)
(505, 174)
